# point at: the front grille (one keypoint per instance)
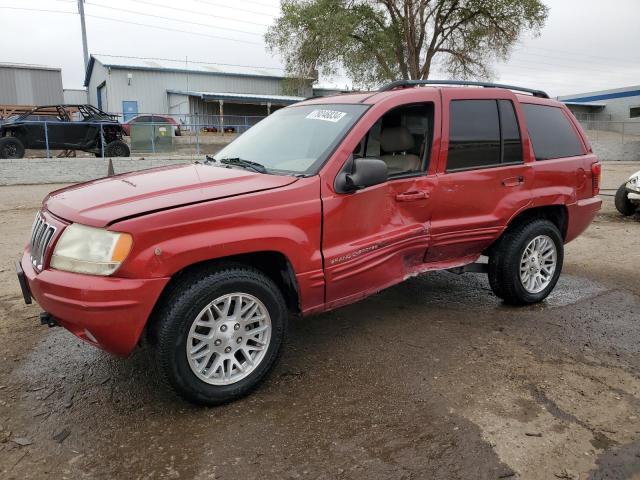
(41, 235)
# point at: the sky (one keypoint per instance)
(586, 45)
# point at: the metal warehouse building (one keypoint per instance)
(131, 86)
(75, 95)
(617, 105)
(23, 86)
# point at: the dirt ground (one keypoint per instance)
(432, 379)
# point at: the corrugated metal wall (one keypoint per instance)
(98, 76)
(149, 88)
(75, 96)
(26, 86)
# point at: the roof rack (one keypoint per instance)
(415, 83)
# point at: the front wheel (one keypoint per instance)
(117, 148)
(11, 148)
(527, 262)
(623, 204)
(219, 334)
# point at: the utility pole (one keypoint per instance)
(84, 34)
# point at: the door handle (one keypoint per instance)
(513, 181)
(412, 196)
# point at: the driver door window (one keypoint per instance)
(401, 138)
(378, 235)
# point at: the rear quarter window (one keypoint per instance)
(552, 135)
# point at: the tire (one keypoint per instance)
(176, 326)
(623, 204)
(508, 258)
(117, 148)
(11, 148)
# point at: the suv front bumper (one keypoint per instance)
(107, 312)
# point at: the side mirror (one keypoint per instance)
(361, 173)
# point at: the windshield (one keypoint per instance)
(295, 139)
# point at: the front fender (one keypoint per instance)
(287, 220)
(170, 256)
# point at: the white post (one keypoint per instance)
(221, 123)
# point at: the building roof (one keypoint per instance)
(588, 97)
(167, 65)
(242, 97)
(584, 104)
(26, 66)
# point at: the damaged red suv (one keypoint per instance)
(319, 205)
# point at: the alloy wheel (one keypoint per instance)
(538, 264)
(228, 339)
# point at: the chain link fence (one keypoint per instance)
(619, 132)
(192, 136)
(144, 134)
(613, 141)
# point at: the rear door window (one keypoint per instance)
(511, 141)
(474, 134)
(552, 135)
(483, 133)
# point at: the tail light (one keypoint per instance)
(596, 175)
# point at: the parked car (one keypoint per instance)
(68, 127)
(627, 198)
(318, 206)
(153, 120)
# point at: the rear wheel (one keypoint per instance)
(219, 333)
(623, 204)
(527, 262)
(11, 148)
(116, 148)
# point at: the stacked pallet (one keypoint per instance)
(8, 110)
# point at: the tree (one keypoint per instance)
(374, 41)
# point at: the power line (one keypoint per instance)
(260, 3)
(527, 78)
(201, 13)
(236, 9)
(174, 20)
(168, 29)
(573, 59)
(182, 60)
(527, 64)
(586, 69)
(37, 10)
(574, 54)
(543, 77)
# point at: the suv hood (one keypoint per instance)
(104, 201)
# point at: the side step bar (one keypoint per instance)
(471, 268)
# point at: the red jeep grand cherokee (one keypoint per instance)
(319, 205)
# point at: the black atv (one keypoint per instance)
(69, 127)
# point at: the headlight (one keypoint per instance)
(95, 251)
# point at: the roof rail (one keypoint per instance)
(416, 83)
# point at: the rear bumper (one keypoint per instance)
(581, 214)
(107, 312)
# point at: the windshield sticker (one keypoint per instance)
(326, 115)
